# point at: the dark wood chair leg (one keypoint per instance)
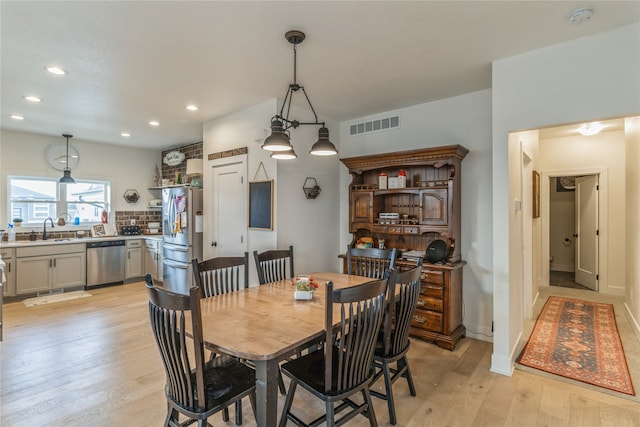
(407, 375)
(370, 412)
(287, 403)
(388, 384)
(239, 412)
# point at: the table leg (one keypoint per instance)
(267, 392)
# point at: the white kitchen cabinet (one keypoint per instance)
(153, 258)
(134, 266)
(8, 256)
(41, 269)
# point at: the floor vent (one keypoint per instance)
(376, 125)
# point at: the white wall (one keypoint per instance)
(126, 168)
(590, 77)
(308, 225)
(632, 241)
(463, 120)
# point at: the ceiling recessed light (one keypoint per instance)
(192, 108)
(154, 123)
(581, 15)
(589, 129)
(56, 70)
(125, 134)
(17, 117)
(31, 98)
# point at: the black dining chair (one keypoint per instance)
(344, 367)
(393, 341)
(370, 262)
(218, 276)
(221, 275)
(272, 265)
(194, 388)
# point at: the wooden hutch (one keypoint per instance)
(429, 209)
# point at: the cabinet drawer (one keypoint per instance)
(432, 276)
(379, 228)
(134, 243)
(428, 320)
(430, 304)
(431, 291)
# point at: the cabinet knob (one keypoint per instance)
(214, 243)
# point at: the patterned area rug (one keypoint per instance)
(579, 340)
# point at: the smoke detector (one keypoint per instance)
(579, 16)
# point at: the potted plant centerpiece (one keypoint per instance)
(303, 287)
(17, 222)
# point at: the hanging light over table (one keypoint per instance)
(279, 141)
(66, 177)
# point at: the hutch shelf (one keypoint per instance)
(427, 208)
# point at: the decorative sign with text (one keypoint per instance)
(173, 158)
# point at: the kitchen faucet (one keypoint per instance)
(44, 233)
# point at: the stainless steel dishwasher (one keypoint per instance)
(105, 263)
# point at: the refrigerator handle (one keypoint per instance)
(169, 263)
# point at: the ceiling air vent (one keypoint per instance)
(376, 125)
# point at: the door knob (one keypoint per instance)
(214, 243)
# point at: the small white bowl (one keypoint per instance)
(153, 231)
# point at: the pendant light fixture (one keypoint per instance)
(66, 177)
(279, 140)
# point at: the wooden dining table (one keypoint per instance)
(265, 324)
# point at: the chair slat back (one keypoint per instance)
(167, 315)
(371, 262)
(361, 311)
(272, 265)
(402, 294)
(221, 275)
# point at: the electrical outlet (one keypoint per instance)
(133, 222)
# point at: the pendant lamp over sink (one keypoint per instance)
(279, 140)
(66, 177)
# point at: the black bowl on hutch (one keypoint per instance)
(428, 205)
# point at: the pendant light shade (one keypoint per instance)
(66, 177)
(278, 141)
(284, 155)
(323, 147)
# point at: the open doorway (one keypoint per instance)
(573, 232)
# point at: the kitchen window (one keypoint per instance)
(40, 198)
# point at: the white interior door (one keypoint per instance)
(228, 211)
(586, 235)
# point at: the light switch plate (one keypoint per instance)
(133, 222)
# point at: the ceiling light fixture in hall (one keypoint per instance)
(279, 141)
(66, 177)
(589, 129)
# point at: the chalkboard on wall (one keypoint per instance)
(261, 204)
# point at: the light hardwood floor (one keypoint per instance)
(93, 362)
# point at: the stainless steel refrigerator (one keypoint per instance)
(182, 223)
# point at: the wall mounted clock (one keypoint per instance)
(56, 156)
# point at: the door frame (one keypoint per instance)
(603, 195)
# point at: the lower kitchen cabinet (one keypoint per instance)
(134, 262)
(153, 258)
(8, 256)
(63, 266)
